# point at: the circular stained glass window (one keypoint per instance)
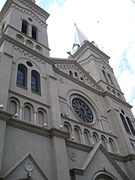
(82, 110)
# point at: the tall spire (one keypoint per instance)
(79, 38)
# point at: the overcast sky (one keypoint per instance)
(110, 23)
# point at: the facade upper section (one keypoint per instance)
(25, 22)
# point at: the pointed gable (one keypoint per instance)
(76, 72)
(99, 160)
(20, 169)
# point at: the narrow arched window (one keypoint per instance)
(77, 134)
(125, 123)
(95, 138)
(24, 27)
(130, 125)
(41, 118)
(34, 33)
(112, 145)
(103, 141)
(110, 79)
(27, 113)
(13, 107)
(35, 81)
(76, 75)
(66, 128)
(105, 77)
(22, 75)
(70, 73)
(86, 137)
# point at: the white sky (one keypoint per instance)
(110, 23)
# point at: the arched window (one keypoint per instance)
(130, 125)
(71, 73)
(112, 145)
(41, 118)
(110, 79)
(24, 27)
(34, 33)
(35, 81)
(103, 141)
(86, 137)
(124, 123)
(95, 138)
(104, 74)
(76, 75)
(27, 113)
(77, 134)
(13, 107)
(104, 177)
(22, 75)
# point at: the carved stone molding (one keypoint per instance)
(28, 54)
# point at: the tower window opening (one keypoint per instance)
(130, 125)
(34, 33)
(104, 74)
(110, 79)
(76, 75)
(24, 27)
(125, 123)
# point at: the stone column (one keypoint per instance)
(29, 30)
(35, 118)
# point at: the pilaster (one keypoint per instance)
(59, 159)
(2, 138)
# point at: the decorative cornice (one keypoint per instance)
(95, 88)
(79, 146)
(130, 157)
(80, 171)
(26, 50)
(28, 98)
(29, 4)
(30, 13)
(26, 126)
(35, 8)
(117, 100)
(87, 45)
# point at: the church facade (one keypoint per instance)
(60, 119)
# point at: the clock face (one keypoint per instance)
(82, 110)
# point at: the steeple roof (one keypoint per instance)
(79, 37)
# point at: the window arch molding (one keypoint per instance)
(75, 93)
(112, 145)
(95, 137)
(35, 81)
(77, 134)
(89, 104)
(41, 117)
(104, 141)
(86, 136)
(105, 175)
(28, 112)
(127, 123)
(68, 128)
(13, 105)
(22, 72)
